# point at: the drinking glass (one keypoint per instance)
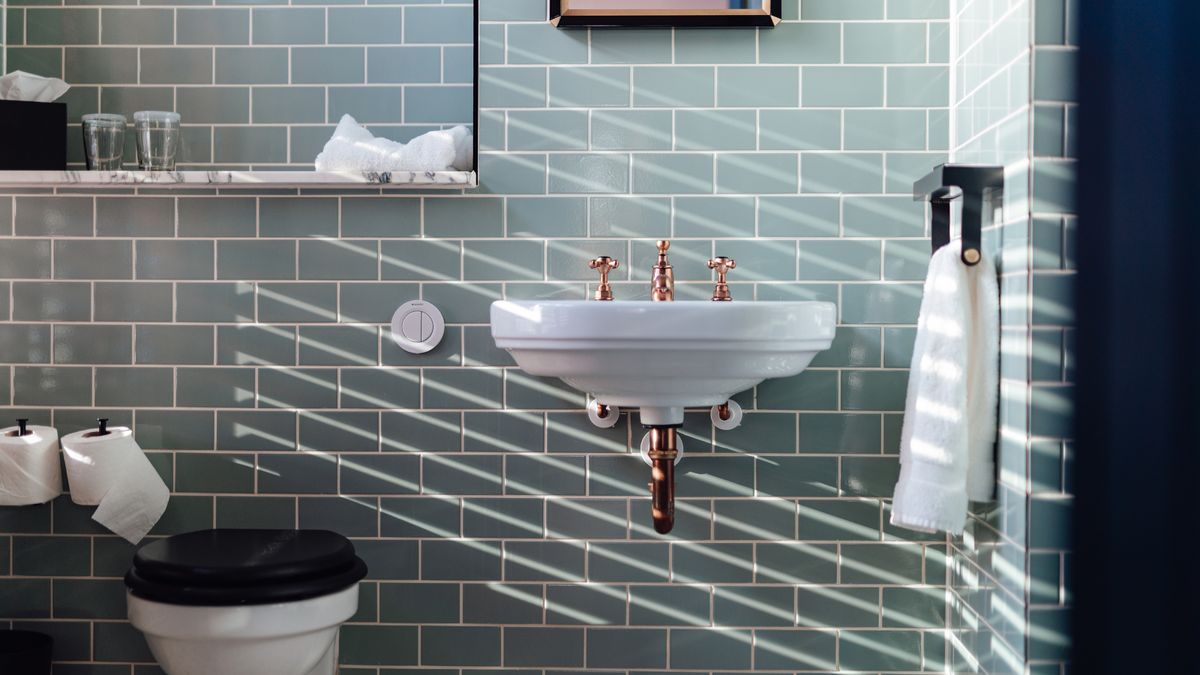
(103, 141)
(157, 134)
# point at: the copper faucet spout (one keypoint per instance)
(662, 276)
(663, 450)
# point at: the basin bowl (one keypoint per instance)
(662, 357)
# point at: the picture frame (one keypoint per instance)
(665, 13)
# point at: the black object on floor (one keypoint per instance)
(33, 136)
(25, 652)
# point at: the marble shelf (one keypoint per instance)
(243, 179)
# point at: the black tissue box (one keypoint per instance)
(33, 136)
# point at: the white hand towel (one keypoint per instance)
(949, 432)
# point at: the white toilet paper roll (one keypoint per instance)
(110, 470)
(29, 466)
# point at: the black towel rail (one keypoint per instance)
(976, 184)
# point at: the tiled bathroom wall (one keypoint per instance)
(243, 334)
(1014, 105)
(258, 84)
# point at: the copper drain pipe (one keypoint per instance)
(663, 450)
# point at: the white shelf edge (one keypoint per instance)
(242, 179)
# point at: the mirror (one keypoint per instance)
(712, 13)
(260, 87)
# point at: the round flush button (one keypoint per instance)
(417, 327)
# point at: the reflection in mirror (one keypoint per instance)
(565, 13)
(260, 88)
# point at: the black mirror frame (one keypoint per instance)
(767, 19)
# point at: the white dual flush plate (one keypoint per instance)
(418, 327)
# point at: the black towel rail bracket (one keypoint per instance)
(976, 184)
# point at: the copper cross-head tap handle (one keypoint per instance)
(722, 265)
(605, 264)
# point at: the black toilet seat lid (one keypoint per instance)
(235, 567)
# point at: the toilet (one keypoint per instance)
(244, 602)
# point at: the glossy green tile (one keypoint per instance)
(623, 648)
(669, 605)
(25, 598)
(841, 172)
(512, 87)
(757, 173)
(297, 473)
(438, 25)
(633, 47)
(51, 386)
(140, 26)
(631, 130)
(880, 303)
(758, 86)
(673, 87)
(293, 25)
(174, 260)
(588, 173)
(25, 258)
(801, 43)
(135, 217)
(810, 390)
(714, 216)
(394, 64)
(26, 343)
(370, 644)
(214, 473)
(256, 430)
(552, 216)
(914, 607)
(258, 259)
(881, 650)
(842, 86)
(137, 302)
(67, 26)
(719, 648)
(561, 647)
(883, 216)
(541, 43)
(711, 563)
(461, 560)
(364, 25)
(839, 520)
(754, 520)
(918, 86)
(256, 65)
(175, 430)
(501, 604)
(592, 604)
(92, 344)
(884, 130)
(796, 562)
(589, 86)
(714, 46)
(891, 42)
(789, 649)
(479, 217)
(244, 145)
(419, 603)
(626, 561)
(547, 130)
(93, 259)
(215, 387)
(51, 556)
(134, 387)
(827, 606)
(175, 65)
(297, 302)
(673, 173)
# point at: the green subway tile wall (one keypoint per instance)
(244, 334)
(1013, 104)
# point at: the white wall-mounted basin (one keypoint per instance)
(662, 357)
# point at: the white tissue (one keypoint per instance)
(22, 86)
(353, 148)
(29, 467)
(112, 471)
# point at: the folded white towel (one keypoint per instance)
(949, 432)
(354, 148)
